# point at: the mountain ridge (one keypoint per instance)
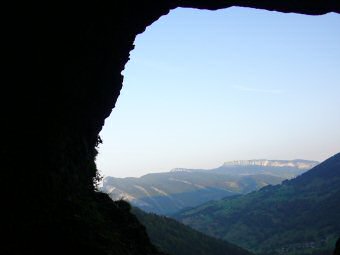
(297, 163)
(168, 192)
(298, 215)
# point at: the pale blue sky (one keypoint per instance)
(205, 87)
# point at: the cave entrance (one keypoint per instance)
(205, 87)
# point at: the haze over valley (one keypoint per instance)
(169, 192)
(280, 207)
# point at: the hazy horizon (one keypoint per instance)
(204, 87)
(213, 167)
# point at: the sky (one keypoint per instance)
(205, 87)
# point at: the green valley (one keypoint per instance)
(300, 216)
(174, 238)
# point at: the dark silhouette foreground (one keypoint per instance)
(62, 79)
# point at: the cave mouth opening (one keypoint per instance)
(205, 87)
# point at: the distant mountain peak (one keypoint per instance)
(180, 170)
(169, 192)
(296, 163)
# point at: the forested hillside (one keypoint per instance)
(175, 238)
(299, 216)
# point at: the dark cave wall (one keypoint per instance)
(67, 80)
(64, 79)
(67, 76)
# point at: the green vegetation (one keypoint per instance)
(174, 238)
(300, 216)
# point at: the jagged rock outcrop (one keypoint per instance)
(297, 163)
(62, 79)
